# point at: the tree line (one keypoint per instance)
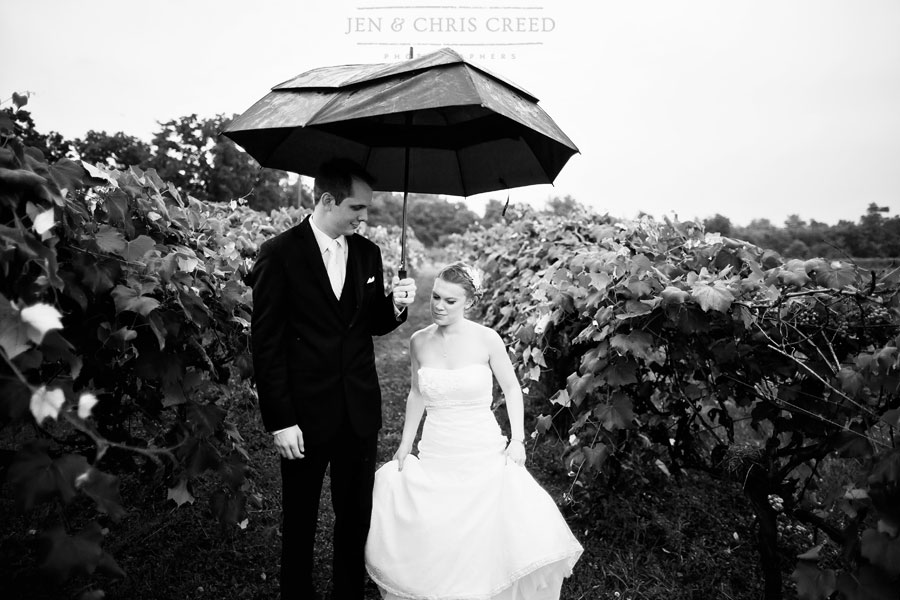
(873, 236)
(189, 152)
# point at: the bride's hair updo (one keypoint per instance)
(462, 274)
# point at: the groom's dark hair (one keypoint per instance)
(336, 177)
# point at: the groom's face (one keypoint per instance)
(344, 218)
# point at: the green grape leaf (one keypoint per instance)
(68, 175)
(812, 582)
(793, 273)
(138, 248)
(180, 493)
(811, 554)
(37, 478)
(621, 372)
(14, 338)
(881, 550)
(194, 308)
(852, 382)
(561, 397)
(617, 413)
(715, 297)
(109, 239)
(639, 344)
(835, 274)
(104, 489)
(127, 299)
(66, 556)
(229, 508)
(868, 583)
(578, 386)
(673, 295)
(543, 423)
(892, 417)
(596, 455)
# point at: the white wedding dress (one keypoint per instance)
(458, 523)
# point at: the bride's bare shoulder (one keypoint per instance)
(482, 330)
(423, 334)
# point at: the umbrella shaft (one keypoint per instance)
(402, 271)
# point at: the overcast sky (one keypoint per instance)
(750, 109)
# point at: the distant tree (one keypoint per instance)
(794, 223)
(118, 150)
(304, 195)
(433, 217)
(880, 236)
(493, 212)
(718, 224)
(190, 153)
(848, 241)
(386, 209)
(764, 234)
(797, 249)
(564, 206)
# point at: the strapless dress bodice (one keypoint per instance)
(464, 387)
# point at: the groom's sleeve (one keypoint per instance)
(384, 318)
(267, 341)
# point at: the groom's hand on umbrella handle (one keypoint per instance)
(289, 442)
(404, 291)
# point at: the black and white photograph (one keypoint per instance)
(404, 300)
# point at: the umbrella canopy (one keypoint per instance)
(435, 124)
(468, 131)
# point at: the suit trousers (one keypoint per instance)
(352, 460)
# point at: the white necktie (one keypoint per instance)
(335, 265)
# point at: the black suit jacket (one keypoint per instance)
(314, 362)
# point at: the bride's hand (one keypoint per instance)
(400, 456)
(515, 452)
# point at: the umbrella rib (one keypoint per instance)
(537, 159)
(333, 100)
(276, 147)
(459, 170)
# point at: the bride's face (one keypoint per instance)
(448, 302)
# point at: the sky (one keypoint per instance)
(686, 108)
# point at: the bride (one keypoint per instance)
(463, 520)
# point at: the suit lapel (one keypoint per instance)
(315, 264)
(355, 273)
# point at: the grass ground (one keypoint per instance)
(653, 540)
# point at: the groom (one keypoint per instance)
(318, 298)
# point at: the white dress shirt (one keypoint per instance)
(337, 271)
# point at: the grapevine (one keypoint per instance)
(124, 325)
(656, 345)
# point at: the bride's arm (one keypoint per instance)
(512, 391)
(415, 407)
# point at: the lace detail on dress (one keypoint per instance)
(471, 385)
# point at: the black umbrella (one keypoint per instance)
(435, 124)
